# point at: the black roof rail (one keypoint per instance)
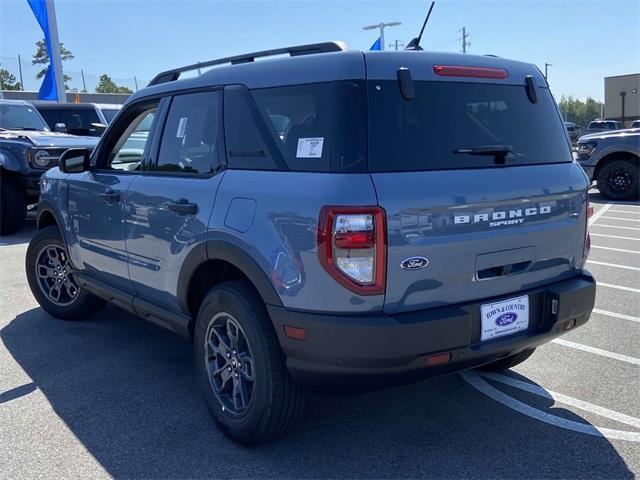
(325, 47)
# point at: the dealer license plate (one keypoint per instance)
(504, 318)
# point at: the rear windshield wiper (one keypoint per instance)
(500, 152)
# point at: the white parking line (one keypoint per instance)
(597, 351)
(617, 315)
(623, 211)
(615, 249)
(559, 397)
(626, 267)
(600, 212)
(615, 226)
(620, 218)
(612, 236)
(619, 287)
(482, 386)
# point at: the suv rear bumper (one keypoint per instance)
(348, 352)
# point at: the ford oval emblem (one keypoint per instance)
(414, 263)
(506, 319)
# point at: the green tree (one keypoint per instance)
(106, 85)
(579, 112)
(41, 57)
(8, 81)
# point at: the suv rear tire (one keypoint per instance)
(618, 180)
(13, 205)
(51, 278)
(508, 362)
(238, 357)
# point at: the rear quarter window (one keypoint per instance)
(317, 127)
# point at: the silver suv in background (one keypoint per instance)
(602, 126)
(572, 131)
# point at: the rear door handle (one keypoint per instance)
(183, 206)
(110, 196)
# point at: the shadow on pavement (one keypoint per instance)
(126, 389)
(22, 236)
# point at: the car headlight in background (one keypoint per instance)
(41, 158)
(586, 149)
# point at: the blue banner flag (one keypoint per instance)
(377, 45)
(48, 88)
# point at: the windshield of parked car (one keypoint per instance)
(21, 117)
(109, 113)
(443, 124)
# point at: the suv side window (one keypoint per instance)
(250, 144)
(191, 139)
(130, 139)
(317, 127)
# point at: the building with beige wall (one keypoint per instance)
(622, 98)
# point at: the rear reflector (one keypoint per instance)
(438, 359)
(476, 72)
(296, 333)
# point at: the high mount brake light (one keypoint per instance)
(352, 247)
(476, 72)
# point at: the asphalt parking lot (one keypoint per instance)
(116, 396)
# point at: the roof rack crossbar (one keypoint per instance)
(325, 47)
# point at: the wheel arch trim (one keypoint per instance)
(236, 256)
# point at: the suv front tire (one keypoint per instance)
(52, 279)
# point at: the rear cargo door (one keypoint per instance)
(481, 195)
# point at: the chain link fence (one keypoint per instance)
(81, 81)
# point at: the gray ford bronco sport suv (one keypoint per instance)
(27, 149)
(333, 221)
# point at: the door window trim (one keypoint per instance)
(114, 134)
(154, 152)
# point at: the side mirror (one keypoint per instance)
(75, 160)
(60, 128)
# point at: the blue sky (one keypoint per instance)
(584, 40)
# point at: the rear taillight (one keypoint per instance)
(352, 247)
(587, 237)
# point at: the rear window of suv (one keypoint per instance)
(424, 133)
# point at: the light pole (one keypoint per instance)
(546, 71)
(381, 27)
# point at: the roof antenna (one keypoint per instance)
(415, 43)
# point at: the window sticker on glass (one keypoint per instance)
(182, 126)
(310, 147)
